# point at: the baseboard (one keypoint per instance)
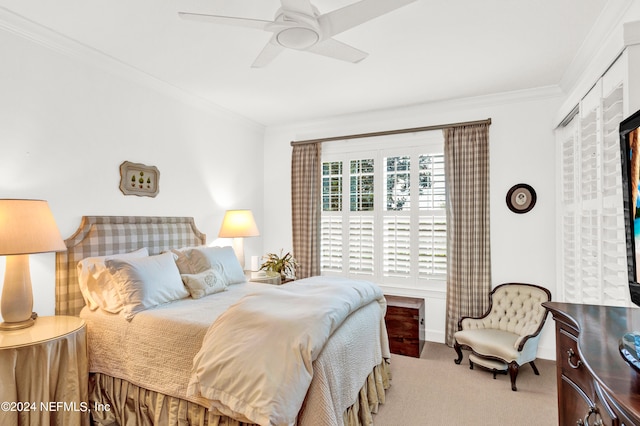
(434, 336)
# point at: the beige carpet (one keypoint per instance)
(433, 390)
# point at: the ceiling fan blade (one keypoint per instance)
(226, 20)
(338, 50)
(302, 6)
(340, 20)
(270, 51)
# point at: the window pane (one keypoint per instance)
(332, 186)
(397, 177)
(361, 185)
(432, 184)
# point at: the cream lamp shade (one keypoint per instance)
(26, 227)
(238, 224)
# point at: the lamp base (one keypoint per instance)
(7, 326)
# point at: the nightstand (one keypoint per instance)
(266, 277)
(405, 325)
(44, 373)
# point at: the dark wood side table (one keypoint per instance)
(405, 325)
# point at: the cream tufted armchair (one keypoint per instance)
(507, 335)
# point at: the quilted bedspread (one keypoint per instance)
(256, 359)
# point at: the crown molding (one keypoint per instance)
(631, 33)
(597, 40)
(36, 33)
(601, 47)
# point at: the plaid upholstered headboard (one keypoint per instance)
(105, 235)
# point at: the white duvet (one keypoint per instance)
(256, 359)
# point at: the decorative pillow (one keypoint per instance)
(204, 283)
(219, 258)
(183, 260)
(96, 284)
(146, 282)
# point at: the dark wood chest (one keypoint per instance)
(405, 325)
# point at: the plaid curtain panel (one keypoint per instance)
(305, 208)
(105, 235)
(468, 239)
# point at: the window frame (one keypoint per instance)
(379, 148)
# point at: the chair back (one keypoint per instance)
(517, 308)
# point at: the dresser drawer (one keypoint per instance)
(571, 365)
(612, 409)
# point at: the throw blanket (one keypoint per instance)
(256, 358)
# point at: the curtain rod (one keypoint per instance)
(392, 132)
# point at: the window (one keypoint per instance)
(383, 209)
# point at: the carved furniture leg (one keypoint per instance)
(513, 373)
(535, 369)
(458, 349)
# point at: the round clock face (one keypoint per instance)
(521, 198)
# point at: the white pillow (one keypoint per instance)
(204, 283)
(219, 258)
(96, 284)
(146, 282)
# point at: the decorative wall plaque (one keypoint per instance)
(138, 179)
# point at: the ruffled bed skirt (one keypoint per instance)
(122, 403)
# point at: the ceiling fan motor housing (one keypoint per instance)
(295, 30)
(297, 38)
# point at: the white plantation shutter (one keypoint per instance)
(396, 246)
(433, 246)
(570, 258)
(589, 264)
(615, 287)
(568, 165)
(593, 246)
(588, 157)
(361, 248)
(331, 243)
(569, 148)
(614, 274)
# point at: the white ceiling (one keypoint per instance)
(427, 51)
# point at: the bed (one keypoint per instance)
(169, 363)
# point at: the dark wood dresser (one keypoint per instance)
(595, 385)
(405, 325)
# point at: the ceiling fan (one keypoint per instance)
(299, 25)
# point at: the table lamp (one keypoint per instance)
(238, 224)
(26, 227)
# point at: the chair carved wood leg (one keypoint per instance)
(513, 373)
(535, 369)
(470, 365)
(458, 349)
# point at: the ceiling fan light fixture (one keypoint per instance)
(299, 38)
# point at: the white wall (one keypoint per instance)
(522, 151)
(68, 120)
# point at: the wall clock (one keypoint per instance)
(521, 198)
